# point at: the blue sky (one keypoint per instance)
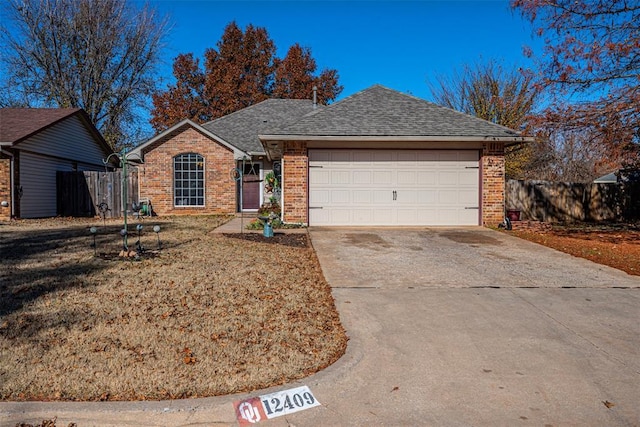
(399, 44)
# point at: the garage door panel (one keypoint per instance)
(406, 197)
(469, 156)
(387, 187)
(383, 216)
(427, 178)
(447, 216)
(382, 197)
(362, 197)
(363, 157)
(468, 198)
(362, 215)
(407, 177)
(448, 156)
(426, 197)
(383, 157)
(448, 178)
(447, 198)
(340, 197)
(407, 216)
(383, 178)
(321, 156)
(319, 177)
(428, 216)
(340, 156)
(469, 216)
(363, 177)
(428, 156)
(408, 158)
(319, 198)
(319, 216)
(340, 216)
(340, 177)
(468, 178)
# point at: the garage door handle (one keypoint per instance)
(395, 195)
(315, 207)
(472, 207)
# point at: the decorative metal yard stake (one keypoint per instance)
(123, 158)
(156, 228)
(93, 231)
(124, 233)
(139, 246)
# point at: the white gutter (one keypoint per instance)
(391, 138)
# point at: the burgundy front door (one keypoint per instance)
(251, 187)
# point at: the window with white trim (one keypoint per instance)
(188, 180)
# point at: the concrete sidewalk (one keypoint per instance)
(239, 224)
(433, 350)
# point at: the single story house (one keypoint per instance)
(193, 169)
(35, 143)
(378, 157)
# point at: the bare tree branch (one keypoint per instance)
(99, 55)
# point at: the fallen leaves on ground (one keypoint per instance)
(206, 315)
(615, 246)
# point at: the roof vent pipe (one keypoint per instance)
(315, 96)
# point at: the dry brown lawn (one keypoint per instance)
(208, 314)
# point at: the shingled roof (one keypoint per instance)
(17, 124)
(242, 127)
(382, 112)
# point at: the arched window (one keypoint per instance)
(188, 180)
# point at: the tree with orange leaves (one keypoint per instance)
(242, 71)
(294, 76)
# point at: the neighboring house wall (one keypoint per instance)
(156, 175)
(492, 184)
(69, 139)
(66, 146)
(5, 188)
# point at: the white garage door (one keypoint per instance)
(394, 187)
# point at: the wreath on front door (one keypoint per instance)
(271, 182)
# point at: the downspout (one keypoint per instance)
(282, 175)
(11, 180)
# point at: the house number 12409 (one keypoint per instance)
(256, 409)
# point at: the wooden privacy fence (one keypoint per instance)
(573, 202)
(81, 193)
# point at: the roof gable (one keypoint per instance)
(141, 149)
(382, 112)
(241, 128)
(19, 124)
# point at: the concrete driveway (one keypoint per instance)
(474, 327)
(447, 327)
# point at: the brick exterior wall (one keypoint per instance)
(5, 188)
(295, 161)
(492, 184)
(155, 176)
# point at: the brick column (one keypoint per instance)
(295, 185)
(492, 183)
(5, 188)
